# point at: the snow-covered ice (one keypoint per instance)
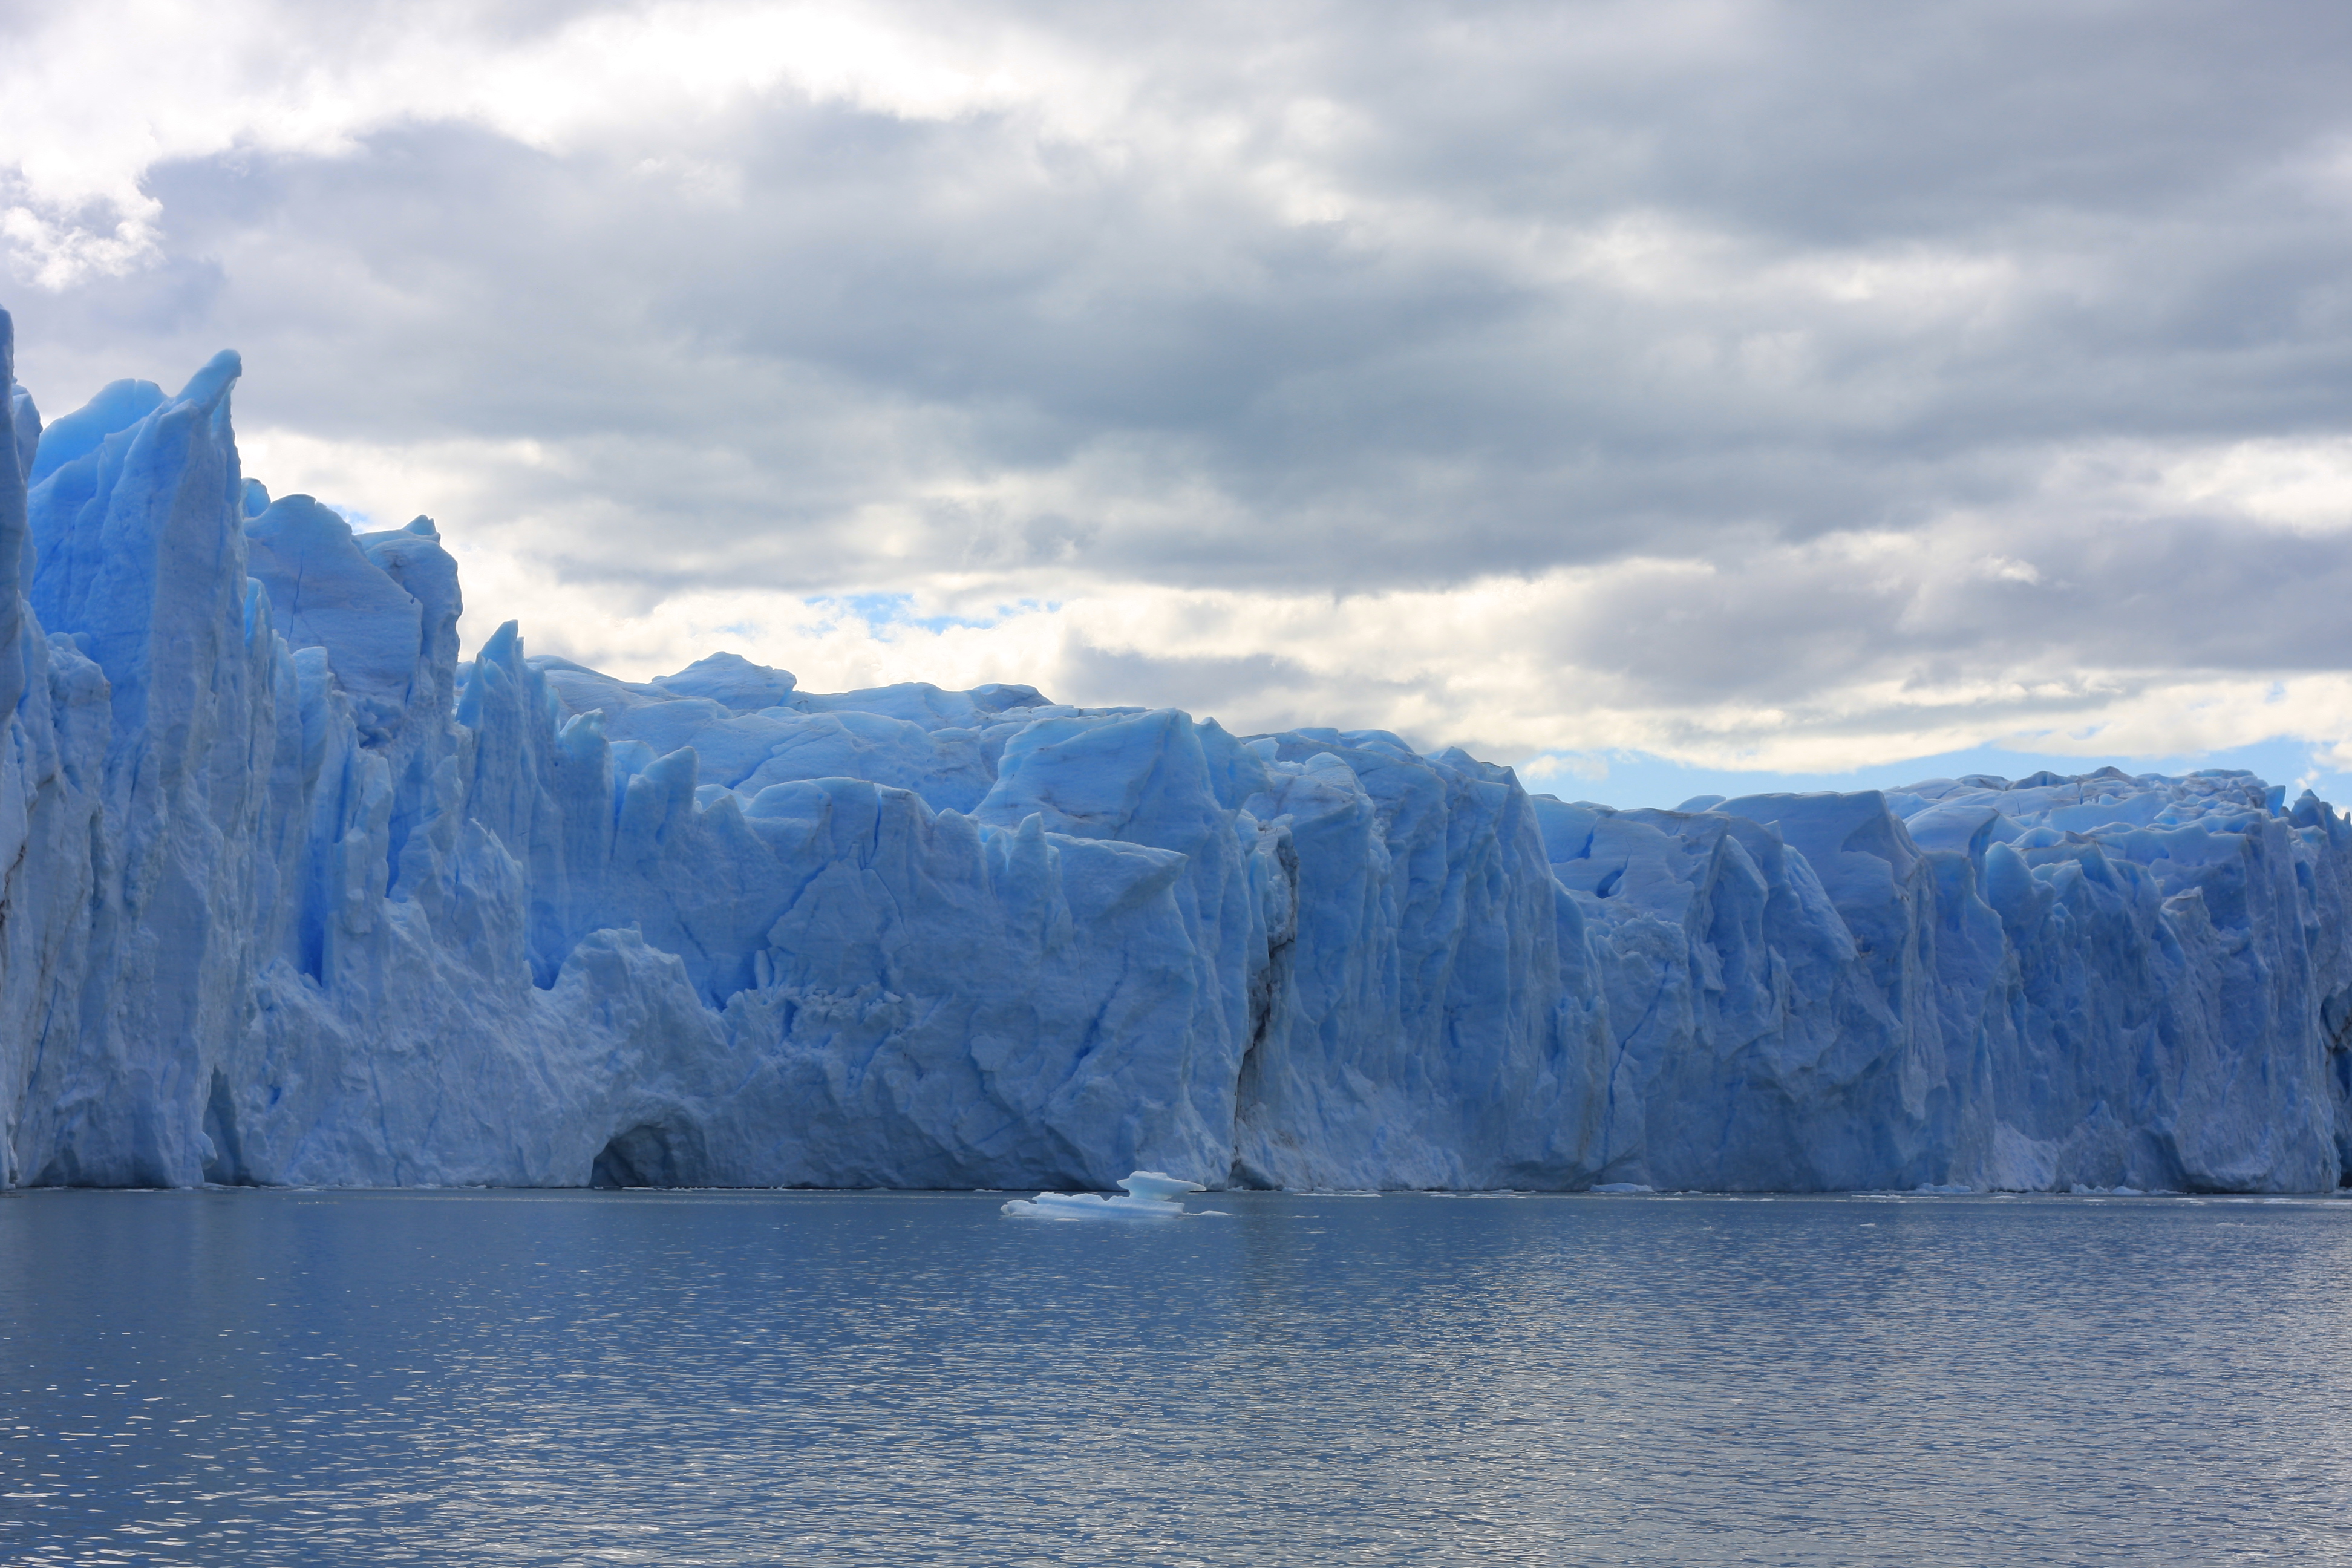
(1148, 1194)
(294, 895)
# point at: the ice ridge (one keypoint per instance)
(291, 895)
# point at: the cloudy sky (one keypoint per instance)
(1632, 392)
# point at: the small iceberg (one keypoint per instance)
(1150, 1195)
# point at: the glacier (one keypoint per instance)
(294, 894)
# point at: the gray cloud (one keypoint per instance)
(1367, 299)
(1119, 676)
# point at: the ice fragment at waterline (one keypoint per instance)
(294, 895)
(1148, 1195)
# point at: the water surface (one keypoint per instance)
(263, 1378)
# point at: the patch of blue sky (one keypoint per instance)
(1627, 779)
(888, 612)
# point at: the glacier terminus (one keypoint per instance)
(294, 894)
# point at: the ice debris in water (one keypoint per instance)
(1150, 1195)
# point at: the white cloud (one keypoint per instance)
(57, 252)
(2300, 483)
(1547, 773)
(99, 95)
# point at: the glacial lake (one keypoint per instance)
(324, 1378)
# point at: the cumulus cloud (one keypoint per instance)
(1758, 384)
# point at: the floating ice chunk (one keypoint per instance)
(1623, 1188)
(1157, 1184)
(1091, 1205)
(1150, 1195)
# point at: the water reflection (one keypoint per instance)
(264, 1378)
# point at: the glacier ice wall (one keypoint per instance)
(292, 895)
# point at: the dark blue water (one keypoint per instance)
(262, 1378)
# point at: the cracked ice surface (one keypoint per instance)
(293, 896)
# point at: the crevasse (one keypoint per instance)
(292, 895)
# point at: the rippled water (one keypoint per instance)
(261, 1378)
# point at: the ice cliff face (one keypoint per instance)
(293, 896)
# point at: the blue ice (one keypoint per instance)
(296, 895)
